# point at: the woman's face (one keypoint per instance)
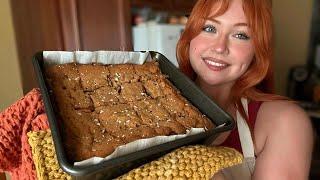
(223, 50)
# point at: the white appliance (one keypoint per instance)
(162, 38)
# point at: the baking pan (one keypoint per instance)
(115, 167)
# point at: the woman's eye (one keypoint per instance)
(209, 28)
(242, 36)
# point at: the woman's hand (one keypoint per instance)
(240, 171)
(218, 176)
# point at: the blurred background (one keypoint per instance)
(29, 26)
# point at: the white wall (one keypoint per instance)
(11, 88)
(292, 20)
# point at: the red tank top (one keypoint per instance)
(233, 139)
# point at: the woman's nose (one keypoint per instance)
(220, 45)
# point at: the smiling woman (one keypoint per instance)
(205, 19)
(223, 47)
(226, 49)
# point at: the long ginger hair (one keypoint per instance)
(257, 82)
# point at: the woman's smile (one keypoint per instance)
(215, 64)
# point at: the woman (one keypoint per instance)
(226, 49)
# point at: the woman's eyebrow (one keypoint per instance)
(213, 20)
(241, 24)
(218, 22)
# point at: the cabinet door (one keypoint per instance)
(183, 5)
(104, 24)
(154, 4)
(37, 28)
(68, 25)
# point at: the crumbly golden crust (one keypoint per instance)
(105, 106)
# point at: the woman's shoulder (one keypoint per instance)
(281, 110)
(282, 113)
(279, 120)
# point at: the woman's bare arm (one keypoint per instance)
(288, 142)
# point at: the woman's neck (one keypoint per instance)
(220, 94)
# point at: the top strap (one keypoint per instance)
(244, 132)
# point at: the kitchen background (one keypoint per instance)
(292, 36)
(31, 25)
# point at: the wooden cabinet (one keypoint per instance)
(181, 6)
(68, 25)
(37, 27)
(154, 4)
(76, 25)
(104, 24)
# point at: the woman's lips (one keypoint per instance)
(215, 64)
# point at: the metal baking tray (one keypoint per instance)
(115, 167)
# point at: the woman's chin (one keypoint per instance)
(214, 82)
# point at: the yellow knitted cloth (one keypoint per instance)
(195, 162)
(44, 156)
(189, 162)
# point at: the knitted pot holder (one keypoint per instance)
(44, 156)
(188, 162)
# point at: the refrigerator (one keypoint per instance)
(162, 38)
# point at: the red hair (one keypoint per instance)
(257, 82)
